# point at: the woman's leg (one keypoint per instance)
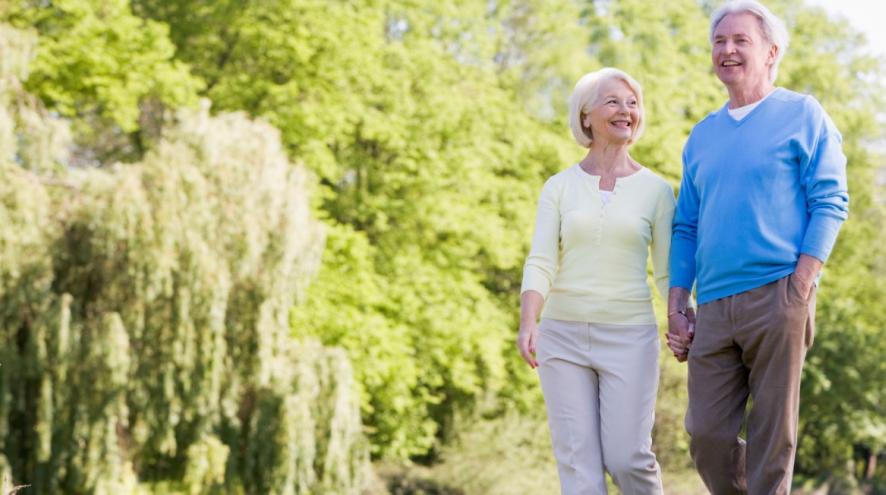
(571, 397)
(626, 359)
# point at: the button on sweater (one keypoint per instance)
(589, 257)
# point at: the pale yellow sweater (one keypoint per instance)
(588, 259)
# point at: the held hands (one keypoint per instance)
(681, 331)
(526, 341)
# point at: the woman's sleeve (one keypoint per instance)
(661, 239)
(543, 260)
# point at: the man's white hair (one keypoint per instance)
(773, 28)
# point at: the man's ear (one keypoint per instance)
(773, 53)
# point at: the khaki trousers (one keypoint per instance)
(599, 384)
(752, 343)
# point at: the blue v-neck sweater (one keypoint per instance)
(756, 193)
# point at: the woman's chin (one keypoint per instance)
(620, 139)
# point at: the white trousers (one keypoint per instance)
(599, 384)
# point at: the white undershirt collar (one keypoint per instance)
(742, 112)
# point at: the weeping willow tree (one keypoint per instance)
(144, 313)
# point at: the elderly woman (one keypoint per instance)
(597, 346)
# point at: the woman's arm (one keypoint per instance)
(661, 241)
(531, 303)
(540, 269)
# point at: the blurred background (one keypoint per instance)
(275, 246)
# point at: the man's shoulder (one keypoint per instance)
(708, 119)
(797, 101)
(787, 95)
(704, 125)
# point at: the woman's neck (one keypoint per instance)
(609, 160)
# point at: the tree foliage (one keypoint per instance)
(417, 144)
(101, 66)
(144, 309)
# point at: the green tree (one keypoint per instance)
(144, 332)
(99, 65)
(429, 174)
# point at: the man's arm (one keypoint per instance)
(684, 243)
(823, 179)
(684, 240)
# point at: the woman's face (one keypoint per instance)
(614, 117)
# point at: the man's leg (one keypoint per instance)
(718, 392)
(776, 332)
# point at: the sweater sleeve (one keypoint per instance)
(823, 176)
(661, 239)
(684, 240)
(543, 260)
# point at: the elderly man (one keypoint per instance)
(762, 199)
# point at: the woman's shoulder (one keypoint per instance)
(561, 178)
(652, 179)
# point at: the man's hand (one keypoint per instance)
(681, 323)
(804, 275)
(680, 334)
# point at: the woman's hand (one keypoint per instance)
(526, 341)
(531, 303)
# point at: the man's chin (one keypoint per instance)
(729, 79)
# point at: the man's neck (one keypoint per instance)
(739, 97)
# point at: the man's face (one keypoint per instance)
(740, 53)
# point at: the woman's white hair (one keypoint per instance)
(585, 95)
(773, 28)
